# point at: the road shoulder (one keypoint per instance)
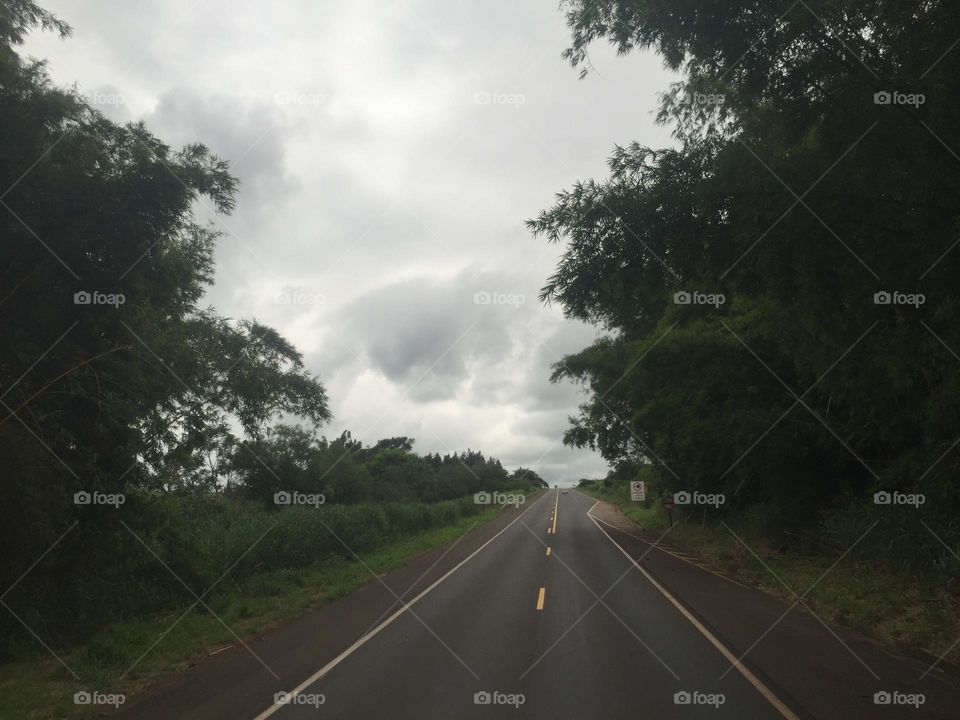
(822, 671)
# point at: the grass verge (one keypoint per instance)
(39, 687)
(915, 614)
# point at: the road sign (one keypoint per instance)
(638, 491)
(668, 504)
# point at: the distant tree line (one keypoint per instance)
(290, 458)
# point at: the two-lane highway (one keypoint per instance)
(549, 619)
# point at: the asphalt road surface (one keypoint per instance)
(550, 620)
(560, 609)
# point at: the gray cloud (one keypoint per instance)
(250, 135)
(388, 156)
(430, 334)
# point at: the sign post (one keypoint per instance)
(638, 491)
(668, 504)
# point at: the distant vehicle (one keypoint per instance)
(564, 492)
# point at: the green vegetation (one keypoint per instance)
(297, 565)
(889, 604)
(140, 432)
(778, 286)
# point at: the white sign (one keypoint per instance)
(638, 491)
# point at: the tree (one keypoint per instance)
(801, 186)
(113, 378)
(526, 477)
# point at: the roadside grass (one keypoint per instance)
(38, 687)
(915, 614)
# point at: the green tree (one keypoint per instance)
(526, 477)
(113, 379)
(797, 192)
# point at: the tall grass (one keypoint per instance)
(157, 552)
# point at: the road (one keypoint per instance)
(551, 620)
(545, 613)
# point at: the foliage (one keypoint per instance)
(193, 540)
(523, 477)
(796, 192)
(289, 458)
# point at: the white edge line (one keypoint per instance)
(673, 555)
(362, 640)
(663, 549)
(766, 692)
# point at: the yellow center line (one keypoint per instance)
(548, 549)
(556, 508)
(543, 592)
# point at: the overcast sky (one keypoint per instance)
(389, 153)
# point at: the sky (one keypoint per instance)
(389, 152)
